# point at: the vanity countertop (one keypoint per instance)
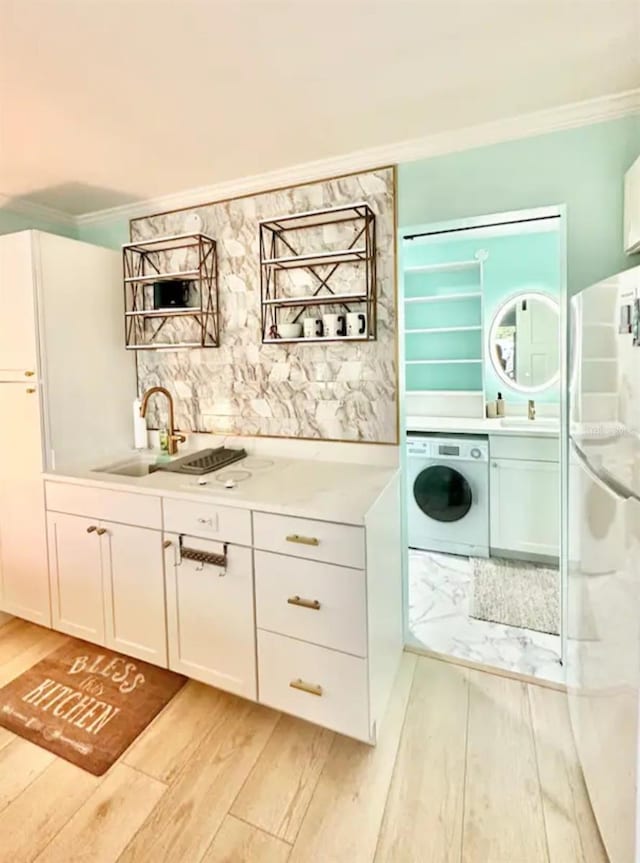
(471, 425)
(328, 491)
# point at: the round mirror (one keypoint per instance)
(524, 342)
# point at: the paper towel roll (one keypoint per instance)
(140, 439)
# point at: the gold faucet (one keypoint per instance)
(174, 439)
(531, 409)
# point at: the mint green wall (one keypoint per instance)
(111, 233)
(582, 168)
(11, 222)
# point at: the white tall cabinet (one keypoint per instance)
(61, 350)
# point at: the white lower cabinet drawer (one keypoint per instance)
(317, 540)
(314, 683)
(122, 507)
(312, 601)
(223, 523)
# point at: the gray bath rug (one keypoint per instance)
(516, 593)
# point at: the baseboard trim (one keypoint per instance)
(487, 669)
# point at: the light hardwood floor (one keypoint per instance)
(470, 768)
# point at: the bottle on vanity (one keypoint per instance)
(492, 410)
(500, 406)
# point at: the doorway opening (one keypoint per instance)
(483, 304)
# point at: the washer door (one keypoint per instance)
(442, 493)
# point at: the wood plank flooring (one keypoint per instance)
(470, 768)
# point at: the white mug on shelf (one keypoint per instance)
(312, 328)
(335, 326)
(357, 324)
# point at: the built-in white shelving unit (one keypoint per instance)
(443, 335)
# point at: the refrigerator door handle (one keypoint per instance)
(606, 483)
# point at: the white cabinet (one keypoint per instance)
(133, 577)
(316, 540)
(18, 331)
(77, 594)
(312, 601)
(328, 638)
(525, 507)
(320, 685)
(24, 584)
(210, 616)
(107, 584)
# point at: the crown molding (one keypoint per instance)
(570, 116)
(36, 211)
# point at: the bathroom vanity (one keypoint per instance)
(285, 589)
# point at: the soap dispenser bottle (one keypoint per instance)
(500, 405)
(163, 439)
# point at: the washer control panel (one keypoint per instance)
(448, 449)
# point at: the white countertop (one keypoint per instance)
(471, 425)
(328, 491)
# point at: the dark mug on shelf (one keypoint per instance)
(357, 324)
(312, 328)
(335, 326)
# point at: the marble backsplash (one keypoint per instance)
(334, 391)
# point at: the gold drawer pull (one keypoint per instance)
(101, 531)
(311, 688)
(92, 528)
(167, 543)
(303, 540)
(29, 374)
(31, 390)
(304, 603)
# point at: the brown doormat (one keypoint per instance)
(85, 703)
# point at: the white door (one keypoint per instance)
(24, 582)
(524, 507)
(76, 576)
(18, 327)
(537, 345)
(133, 577)
(603, 667)
(210, 616)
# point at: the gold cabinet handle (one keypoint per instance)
(304, 603)
(29, 374)
(311, 688)
(92, 528)
(303, 540)
(101, 531)
(167, 543)
(31, 390)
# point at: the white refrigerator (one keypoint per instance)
(66, 388)
(603, 582)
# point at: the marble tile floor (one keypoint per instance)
(439, 594)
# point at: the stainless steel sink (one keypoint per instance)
(130, 467)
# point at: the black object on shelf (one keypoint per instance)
(171, 294)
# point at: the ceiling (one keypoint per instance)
(105, 102)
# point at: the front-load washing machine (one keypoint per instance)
(448, 488)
